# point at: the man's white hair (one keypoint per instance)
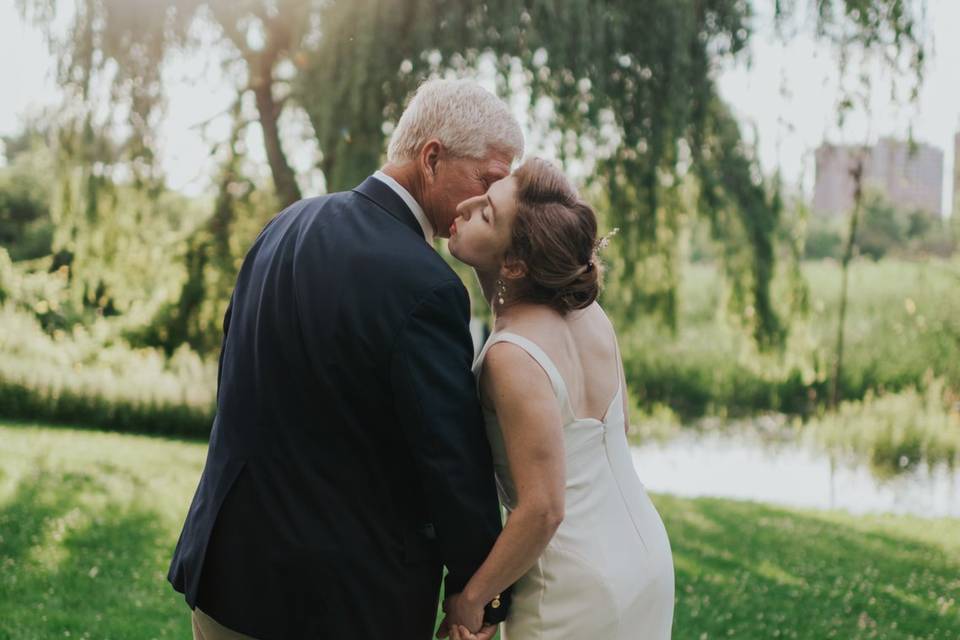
(467, 119)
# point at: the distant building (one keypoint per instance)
(909, 180)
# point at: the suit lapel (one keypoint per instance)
(388, 200)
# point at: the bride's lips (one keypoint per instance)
(453, 228)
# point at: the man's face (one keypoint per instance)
(459, 179)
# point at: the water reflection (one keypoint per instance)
(780, 467)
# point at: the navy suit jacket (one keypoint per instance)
(348, 461)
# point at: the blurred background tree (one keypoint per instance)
(111, 60)
(627, 88)
(25, 194)
(623, 93)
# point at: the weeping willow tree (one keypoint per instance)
(110, 190)
(630, 89)
(623, 87)
(113, 52)
(97, 147)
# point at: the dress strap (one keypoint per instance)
(538, 354)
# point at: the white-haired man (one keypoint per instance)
(348, 461)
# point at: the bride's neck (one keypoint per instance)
(488, 284)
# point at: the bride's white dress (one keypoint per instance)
(607, 574)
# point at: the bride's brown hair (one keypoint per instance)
(555, 236)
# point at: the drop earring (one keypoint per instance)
(501, 291)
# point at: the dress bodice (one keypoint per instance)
(580, 435)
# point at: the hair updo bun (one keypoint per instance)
(555, 236)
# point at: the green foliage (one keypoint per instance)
(125, 250)
(210, 256)
(111, 212)
(745, 216)
(628, 85)
(885, 230)
(88, 377)
(632, 97)
(112, 59)
(26, 228)
(903, 329)
(351, 80)
(630, 93)
(163, 265)
(895, 431)
(824, 239)
(903, 324)
(40, 293)
(881, 229)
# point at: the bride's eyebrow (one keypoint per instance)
(492, 208)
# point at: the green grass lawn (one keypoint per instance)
(88, 521)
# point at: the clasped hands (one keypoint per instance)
(463, 620)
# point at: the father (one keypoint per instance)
(348, 461)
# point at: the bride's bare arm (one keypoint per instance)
(529, 417)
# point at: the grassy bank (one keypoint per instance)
(88, 521)
(902, 330)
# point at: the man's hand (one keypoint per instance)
(461, 612)
(486, 632)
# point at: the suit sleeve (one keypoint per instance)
(223, 342)
(439, 412)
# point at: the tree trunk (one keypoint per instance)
(857, 174)
(260, 67)
(284, 180)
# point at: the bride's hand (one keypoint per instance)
(460, 632)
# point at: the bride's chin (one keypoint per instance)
(465, 259)
(452, 248)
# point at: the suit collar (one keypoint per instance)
(390, 201)
(411, 202)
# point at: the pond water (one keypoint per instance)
(781, 467)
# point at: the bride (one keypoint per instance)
(583, 545)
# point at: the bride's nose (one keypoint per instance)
(463, 209)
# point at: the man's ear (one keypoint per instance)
(430, 159)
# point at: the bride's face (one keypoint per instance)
(480, 234)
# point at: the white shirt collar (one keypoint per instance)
(409, 200)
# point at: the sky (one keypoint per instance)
(791, 124)
(790, 118)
